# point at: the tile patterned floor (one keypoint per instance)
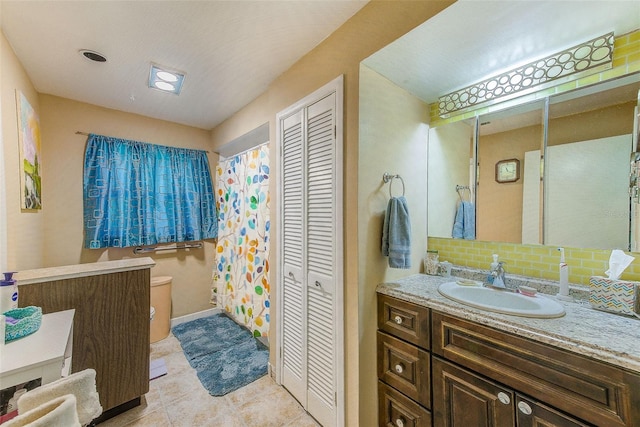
(178, 399)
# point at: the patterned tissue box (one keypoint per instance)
(617, 296)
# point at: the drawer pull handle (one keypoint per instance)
(399, 368)
(504, 398)
(525, 408)
(398, 320)
(400, 422)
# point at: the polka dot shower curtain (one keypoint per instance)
(241, 275)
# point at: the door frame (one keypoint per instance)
(336, 87)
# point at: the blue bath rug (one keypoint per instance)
(228, 370)
(208, 335)
(225, 355)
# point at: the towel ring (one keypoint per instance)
(388, 178)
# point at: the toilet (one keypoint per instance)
(160, 308)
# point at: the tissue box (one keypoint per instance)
(617, 296)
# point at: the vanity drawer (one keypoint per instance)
(590, 390)
(396, 410)
(404, 320)
(405, 367)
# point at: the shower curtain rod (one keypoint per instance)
(86, 134)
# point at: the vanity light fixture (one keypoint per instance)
(161, 78)
(593, 55)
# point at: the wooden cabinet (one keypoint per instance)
(405, 367)
(404, 364)
(404, 320)
(530, 413)
(462, 399)
(110, 328)
(593, 391)
(397, 410)
(469, 374)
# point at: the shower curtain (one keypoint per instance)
(241, 275)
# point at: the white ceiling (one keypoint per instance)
(230, 50)
(475, 39)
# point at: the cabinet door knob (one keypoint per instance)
(398, 320)
(400, 422)
(504, 398)
(525, 408)
(399, 368)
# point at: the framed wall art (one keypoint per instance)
(30, 154)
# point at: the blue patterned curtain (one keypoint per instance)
(143, 194)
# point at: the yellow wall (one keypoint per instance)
(53, 236)
(63, 157)
(25, 229)
(376, 25)
(393, 138)
(502, 222)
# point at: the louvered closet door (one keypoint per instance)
(294, 344)
(321, 240)
(311, 249)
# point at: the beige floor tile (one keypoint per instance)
(150, 403)
(199, 409)
(304, 420)
(179, 399)
(260, 411)
(164, 347)
(156, 418)
(173, 387)
(261, 386)
(175, 362)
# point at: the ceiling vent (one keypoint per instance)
(93, 55)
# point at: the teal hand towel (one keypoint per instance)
(464, 226)
(396, 233)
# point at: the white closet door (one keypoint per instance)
(321, 252)
(294, 294)
(311, 306)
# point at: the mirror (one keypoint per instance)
(572, 186)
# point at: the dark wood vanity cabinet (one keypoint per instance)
(404, 364)
(462, 398)
(594, 392)
(461, 374)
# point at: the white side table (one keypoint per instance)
(41, 354)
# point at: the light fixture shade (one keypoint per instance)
(165, 80)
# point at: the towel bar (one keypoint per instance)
(388, 178)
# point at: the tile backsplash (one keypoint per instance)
(530, 260)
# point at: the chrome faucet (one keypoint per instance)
(498, 276)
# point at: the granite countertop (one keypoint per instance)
(49, 274)
(603, 336)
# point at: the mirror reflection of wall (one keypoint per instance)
(506, 135)
(450, 164)
(588, 151)
(583, 200)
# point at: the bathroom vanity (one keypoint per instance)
(111, 323)
(443, 363)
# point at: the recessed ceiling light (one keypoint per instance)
(165, 86)
(166, 80)
(168, 77)
(92, 55)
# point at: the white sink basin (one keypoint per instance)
(502, 301)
